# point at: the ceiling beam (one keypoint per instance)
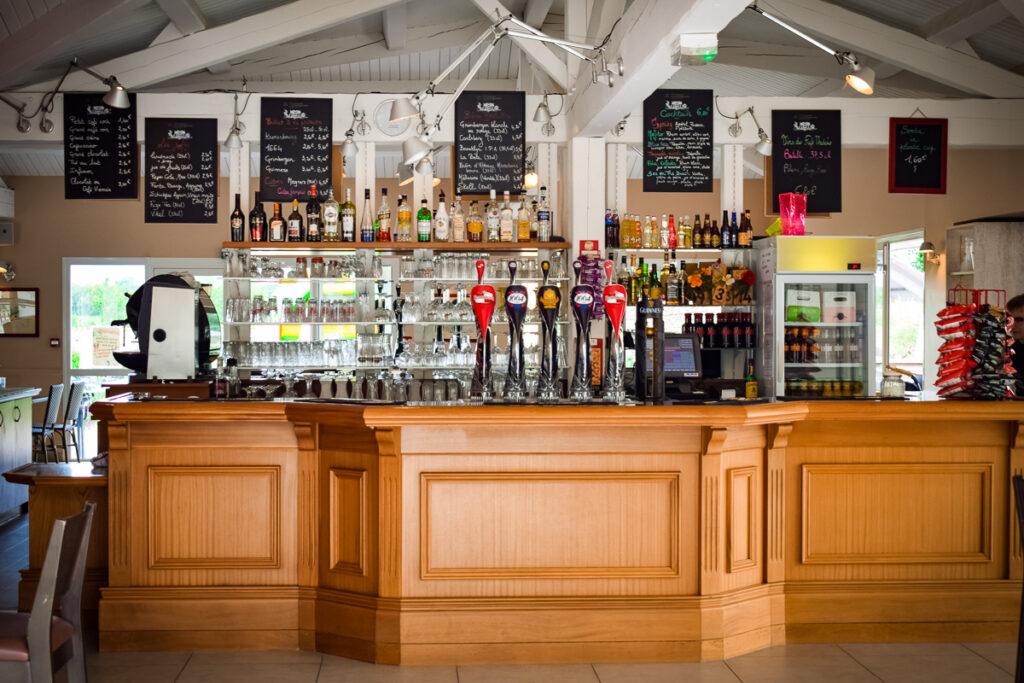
(869, 37)
(393, 25)
(56, 32)
(536, 12)
(1016, 8)
(331, 87)
(963, 21)
(540, 54)
(603, 15)
(184, 15)
(644, 40)
(159, 63)
(576, 20)
(803, 60)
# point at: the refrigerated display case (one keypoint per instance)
(816, 316)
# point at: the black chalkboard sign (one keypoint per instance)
(295, 147)
(917, 156)
(101, 158)
(490, 142)
(807, 158)
(181, 170)
(678, 127)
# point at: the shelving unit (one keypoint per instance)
(482, 247)
(799, 324)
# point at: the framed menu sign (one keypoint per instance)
(295, 147)
(917, 156)
(181, 170)
(678, 127)
(101, 158)
(490, 142)
(807, 158)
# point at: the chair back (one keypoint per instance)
(53, 405)
(60, 582)
(74, 404)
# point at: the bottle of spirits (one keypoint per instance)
(404, 225)
(522, 221)
(314, 219)
(622, 275)
(475, 224)
(257, 221)
(506, 221)
(534, 226)
(655, 292)
(423, 222)
(663, 277)
(493, 219)
(750, 381)
(458, 221)
(545, 226)
(295, 233)
(238, 221)
(276, 225)
(346, 211)
(441, 232)
(383, 228)
(367, 220)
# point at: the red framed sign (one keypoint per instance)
(917, 156)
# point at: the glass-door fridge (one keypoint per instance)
(816, 316)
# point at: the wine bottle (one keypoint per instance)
(295, 233)
(348, 217)
(238, 221)
(257, 221)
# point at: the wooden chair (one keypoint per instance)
(34, 645)
(42, 435)
(69, 427)
(1018, 496)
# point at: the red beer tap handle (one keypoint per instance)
(481, 265)
(609, 266)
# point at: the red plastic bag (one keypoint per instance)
(793, 211)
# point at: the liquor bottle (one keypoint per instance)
(383, 228)
(655, 291)
(423, 222)
(295, 233)
(523, 221)
(314, 219)
(347, 213)
(673, 288)
(475, 224)
(636, 282)
(493, 219)
(257, 221)
(609, 240)
(645, 281)
(734, 232)
(534, 224)
(506, 221)
(726, 238)
(698, 234)
(404, 216)
(441, 233)
(708, 232)
(622, 276)
(663, 232)
(663, 276)
(698, 329)
(367, 221)
(681, 232)
(545, 224)
(673, 238)
(751, 381)
(238, 221)
(276, 225)
(716, 235)
(458, 221)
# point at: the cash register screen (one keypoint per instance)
(682, 356)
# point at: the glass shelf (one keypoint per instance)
(446, 323)
(792, 324)
(482, 247)
(824, 365)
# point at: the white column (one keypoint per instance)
(547, 173)
(238, 176)
(587, 189)
(366, 178)
(732, 178)
(616, 177)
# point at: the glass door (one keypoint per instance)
(826, 342)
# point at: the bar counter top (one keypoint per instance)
(520, 533)
(14, 393)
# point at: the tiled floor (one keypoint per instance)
(891, 663)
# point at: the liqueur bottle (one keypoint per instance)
(276, 225)
(493, 219)
(314, 219)
(506, 223)
(458, 229)
(366, 224)
(475, 224)
(295, 233)
(441, 225)
(238, 221)
(347, 212)
(383, 228)
(257, 221)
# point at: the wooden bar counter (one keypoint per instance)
(428, 535)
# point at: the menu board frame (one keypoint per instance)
(484, 105)
(179, 140)
(897, 184)
(658, 107)
(125, 151)
(798, 127)
(283, 112)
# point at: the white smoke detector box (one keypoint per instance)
(694, 49)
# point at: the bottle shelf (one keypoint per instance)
(361, 323)
(482, 247)
(792, 324)
(824, 366)
(962, 272)
(662, 250)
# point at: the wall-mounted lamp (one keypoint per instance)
(764, 143)
(927, 249)
(543, 115)
(234, 139)
(404, 174)
(7, 271)
(358, 125)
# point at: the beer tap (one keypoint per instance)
(582, 302)
(548, 300)
(614, 297)
(515, 307)
(482, 297)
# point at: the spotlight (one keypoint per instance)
(24, 123)
(349, 148)
(764, 147)
(414, 149)
(543, 113)
(234, 140)
(861, 78)
(425, 167)
(117, 96)
(403, 108)
(404, 174)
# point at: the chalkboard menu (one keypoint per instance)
(181, 170)
(101, 159)
(807, 158)
(678, 127)
(917, 156)
(490, 142)
(295, 147)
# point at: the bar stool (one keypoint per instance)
(42, 434)
(72, 421)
